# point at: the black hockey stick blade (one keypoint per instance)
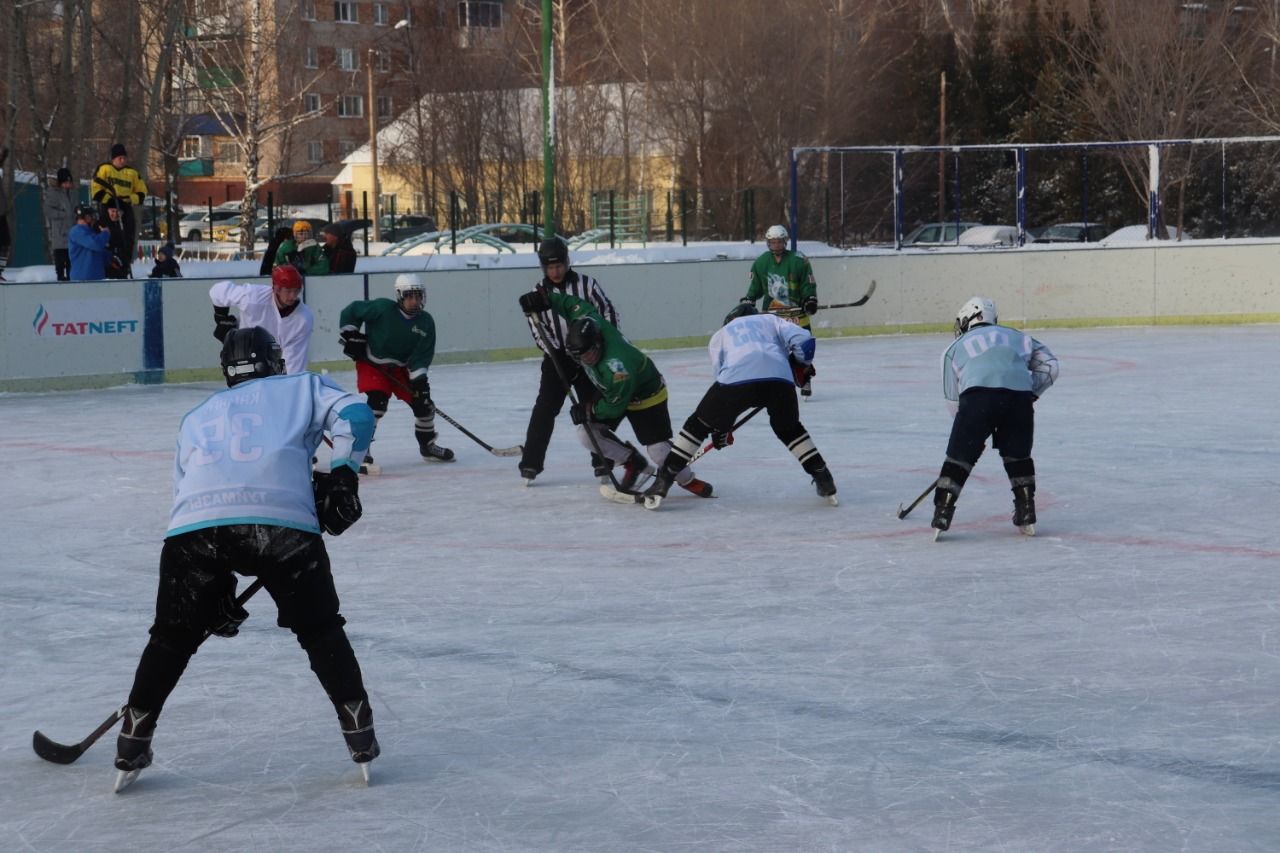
(518, 450)
(64, 753)
(856, 303)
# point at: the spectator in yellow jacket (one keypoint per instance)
(117, 181)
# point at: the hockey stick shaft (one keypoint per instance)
(568, 390)
(62, 753)
(903, 513)
(710, 444)
(796, 312)
(496, 451)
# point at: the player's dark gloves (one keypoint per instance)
(226, 620)
(337, 499)
(355, 344)
(534, 302)
(802, 372)
(578, 414)
(721, 440)
(223, 322)
(811, 305)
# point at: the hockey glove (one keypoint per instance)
(226, 620)
(534, 302)
(578, 414)
(337, 499)
(802, 372)
(355, 344)
(721, 440)
(811, 305)
(223, 322)
(421, 388)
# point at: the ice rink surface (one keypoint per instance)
(755, 672)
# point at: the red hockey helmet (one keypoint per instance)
(286, 276)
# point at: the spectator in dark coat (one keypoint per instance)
(281, 234)
(118, 262)
(60, 212)
(338, 249)
(166, 264)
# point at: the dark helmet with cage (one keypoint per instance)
(250, 353)
(86, 211)
(553, 251)
(742, 309)
(584, 340)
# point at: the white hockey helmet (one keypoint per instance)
(406, 284)
(776, 232)
(978, 311)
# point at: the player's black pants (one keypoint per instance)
(722, 404)
(549, 402)
(1008, 419)
(196, 575)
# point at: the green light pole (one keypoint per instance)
(548, 126)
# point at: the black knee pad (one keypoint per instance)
(1022, 472)
(378, 401)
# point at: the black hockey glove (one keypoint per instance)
(802, 372)
(811, 305)
(337, 499)
(578, 414)
(721, 440)
(534, 301)
(226, 620)
(355, 344)
(223, 322)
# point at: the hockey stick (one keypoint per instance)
(903, 513)
(496, 451)
(573, 398)
(796, 312)
(64, 753)
(710, 444)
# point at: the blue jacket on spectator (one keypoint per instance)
(89, 253)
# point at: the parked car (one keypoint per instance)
(1137, 234)
(153, 218)
(937, 233)
(402, 227)
(990, 235)
(262, 233)
(195, 226)
(1073, 232)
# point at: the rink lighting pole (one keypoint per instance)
(548, 125)
(373, 145)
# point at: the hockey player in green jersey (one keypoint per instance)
(628, 385)
(782, 281)
(392, 355)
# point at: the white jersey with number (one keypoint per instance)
(993, 356)
(759, 348)
(244, 454)
(258, 307)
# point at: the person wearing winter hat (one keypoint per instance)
(60, 213)
(166, 264)
(303, 251)
(117, 181)
(338, 249)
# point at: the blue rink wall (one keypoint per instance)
(88, 334)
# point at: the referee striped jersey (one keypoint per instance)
(575, 284)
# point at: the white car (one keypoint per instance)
(1137, 234)
(937, 233)
(990, 235)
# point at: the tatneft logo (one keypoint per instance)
(86, 318)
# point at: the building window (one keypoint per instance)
(345, 148)
(310, 57)
(347, 59)
(480, 13)
(344, 12)
(307, 10)
(350, 106)
(380, 14)
(384, 62)
(384, 106)
(315, 152)
(228, 152)
(191, 147)
(311, 103)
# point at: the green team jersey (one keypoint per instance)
(785, 283)
(312, 258)
(625, 377)
(393, 338)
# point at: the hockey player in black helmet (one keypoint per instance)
(246, 502)
(991, 377)
(549, 332)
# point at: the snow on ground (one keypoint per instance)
(755, 672)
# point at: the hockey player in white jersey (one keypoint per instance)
(759, 360)
(277, 307)
(991, 377)
(245, 502)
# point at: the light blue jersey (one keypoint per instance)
(244, 455)
(993, 356)
(756, 348)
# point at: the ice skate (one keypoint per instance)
(635, 471)
(357, 729)
(701, 488)
(433, 452)
(133, 746)
(944, 508)
(825, 485)
(528, 475)
(658, 489)
(1024, 509)
(369, 467)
